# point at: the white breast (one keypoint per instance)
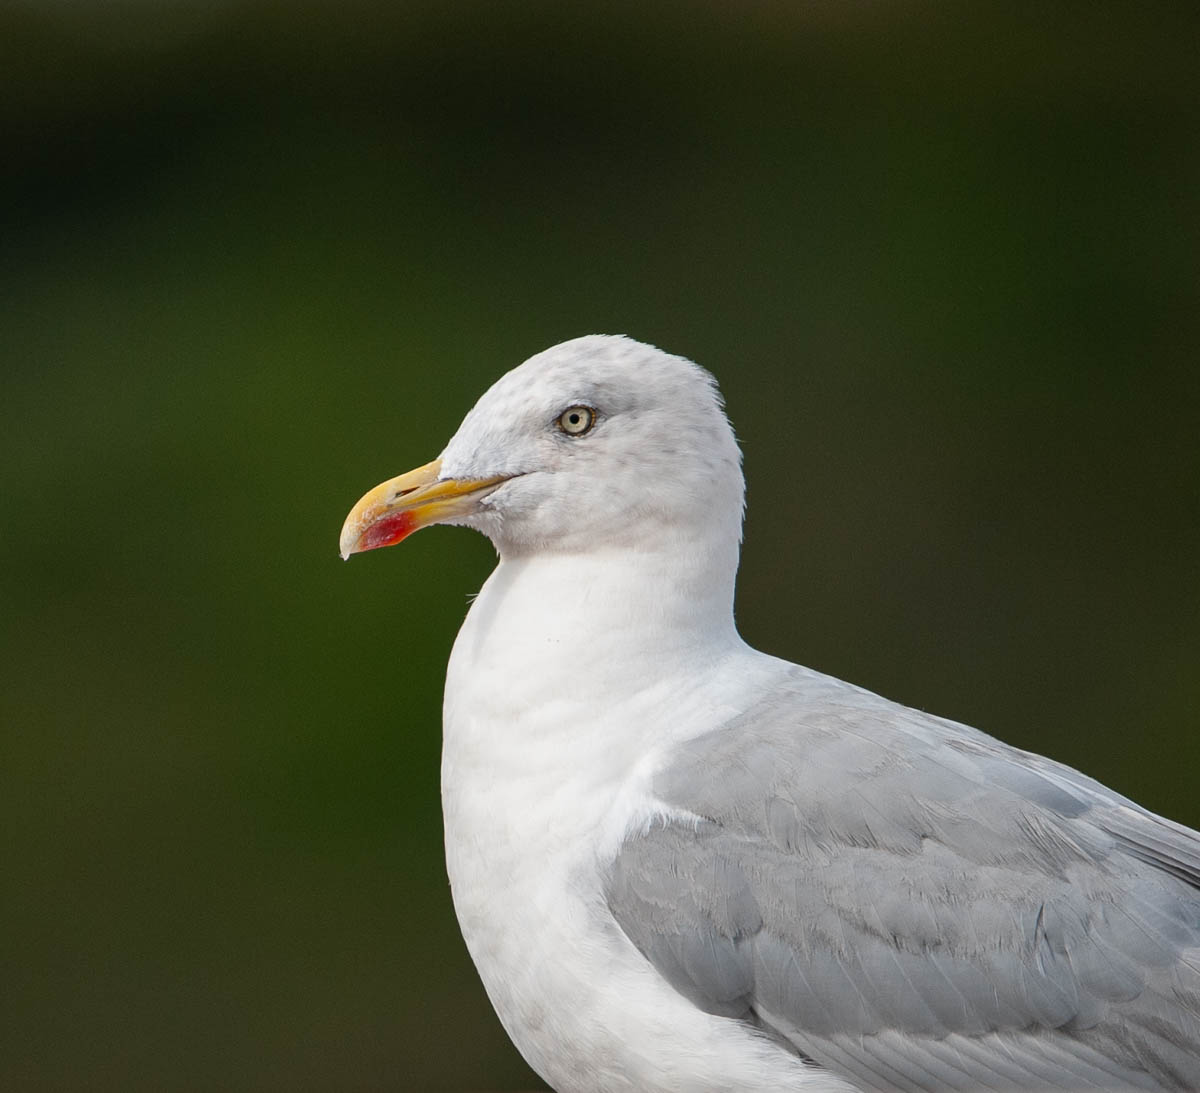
(546, 766)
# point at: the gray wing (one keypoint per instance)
(914, 905)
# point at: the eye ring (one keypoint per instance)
(575, 421)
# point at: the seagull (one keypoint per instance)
(681, 865)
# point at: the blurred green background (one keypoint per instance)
(257, 257)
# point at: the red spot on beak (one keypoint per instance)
(388, 531)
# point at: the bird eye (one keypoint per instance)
(577, 420)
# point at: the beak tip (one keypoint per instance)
(348, 542)
(379, 519)
(349, 545)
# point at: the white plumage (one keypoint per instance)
(683, 866)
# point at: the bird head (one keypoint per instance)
(598, 441)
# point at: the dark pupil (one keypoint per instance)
(574, 419)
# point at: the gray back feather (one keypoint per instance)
(914, 905)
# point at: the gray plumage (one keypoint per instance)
(914, 905)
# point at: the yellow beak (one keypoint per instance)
(396, 508)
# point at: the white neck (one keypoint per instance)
(568, 624)
(553, 639)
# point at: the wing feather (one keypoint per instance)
(916, 906)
